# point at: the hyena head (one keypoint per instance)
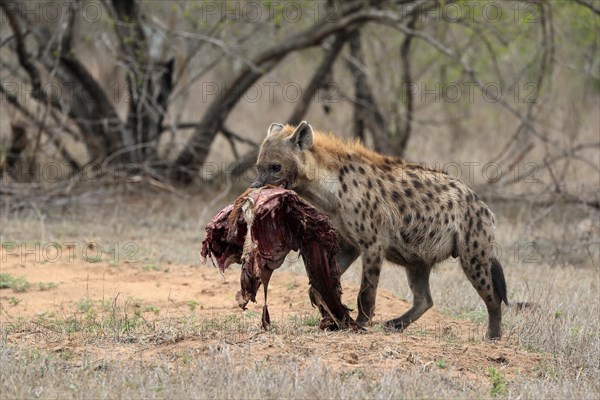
(281, 160)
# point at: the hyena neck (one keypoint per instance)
(322, 199)
(320, 186)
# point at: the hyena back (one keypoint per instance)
(386, 208)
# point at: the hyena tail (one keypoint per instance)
(498, 280)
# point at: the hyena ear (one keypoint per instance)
(275, 127)
(302, 136)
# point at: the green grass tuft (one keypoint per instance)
(498, 382)
(18, 285)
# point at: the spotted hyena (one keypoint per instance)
(386, 208)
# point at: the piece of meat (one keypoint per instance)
(259, 229)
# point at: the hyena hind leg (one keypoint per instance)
(418, 280)
(487, 278)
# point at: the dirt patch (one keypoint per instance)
(190, 312)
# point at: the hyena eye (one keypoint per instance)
(275, 167)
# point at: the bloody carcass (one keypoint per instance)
(259, 229)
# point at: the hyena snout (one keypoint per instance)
(258, 183)
(266, 178)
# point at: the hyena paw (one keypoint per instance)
(363, 321)
(493, 335)
(395, 325)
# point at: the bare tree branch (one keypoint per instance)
(520, 140)
(318, 78)
(394, 20)
(407, 82)
(590, 5)
(64, 153)
(366, 111)
(148, 99)
(18, 144)
(21, 50)
(232, 135)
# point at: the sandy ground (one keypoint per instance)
(202, 295)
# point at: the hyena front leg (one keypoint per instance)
(368, 287)
(346, 256)
(418, 280)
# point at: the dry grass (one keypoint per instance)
(215, 376)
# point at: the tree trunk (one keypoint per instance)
(366, 112)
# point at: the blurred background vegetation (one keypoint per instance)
(179, 94)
